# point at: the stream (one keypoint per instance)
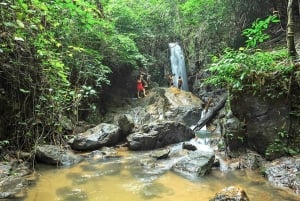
(132, 176)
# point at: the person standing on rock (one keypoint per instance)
(171, 80)
(180, 82)
(140, 86)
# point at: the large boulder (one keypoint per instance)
(56, 155)
(100, 136)
(263, 117)
(196, 163)
(159, 134)
(164, 104)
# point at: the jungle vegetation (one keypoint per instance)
(57, 56)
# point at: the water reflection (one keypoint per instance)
(134, 177)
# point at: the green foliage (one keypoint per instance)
(251, 70)
(196, 11)
(281, 145)
(255, 34)
(56, 57)
(152, 25)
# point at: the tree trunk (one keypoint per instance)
(290, 30)
(298, 7)
(209, 115)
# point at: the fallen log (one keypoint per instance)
(210, 114)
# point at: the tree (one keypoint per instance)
(290, 30)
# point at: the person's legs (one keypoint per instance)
(144, 92)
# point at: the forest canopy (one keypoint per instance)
(57, 56)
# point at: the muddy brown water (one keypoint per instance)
(122, 179)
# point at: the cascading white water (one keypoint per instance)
(202, 115)
(178, 65)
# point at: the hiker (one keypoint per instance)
(180, 82)
(140, 86)
(144, 80)
(171, 80)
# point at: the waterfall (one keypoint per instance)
(202, 115)
(178, 65)
(203, 135)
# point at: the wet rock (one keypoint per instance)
(161, 154)
(158, 135)
(5, 169)
(262, 116)
(216, 163)
(235, 134)
(246, 160)
(126, 124)
(71, 194)
(55, 155)
(231, 193)
(77, 178)
(251, 160)
(284, 172)
(189, 146)
(197, 163)
(102, 135)
(104, 153)
(13, 183)
(11, 186)
(162, 104)
(151, 191)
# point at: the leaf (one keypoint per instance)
(20, 23)
(243, 75)
(16, 38)
(9, 24)
(24, 91)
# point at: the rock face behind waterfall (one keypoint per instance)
(157, 135)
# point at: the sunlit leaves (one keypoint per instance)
(197, 11)
(256, 34)
(252, 70)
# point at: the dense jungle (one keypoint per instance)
(68, 68)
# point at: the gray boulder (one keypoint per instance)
(161, 153)
(158, 135)
(163, 104)
(262, 116)
(196, 163)
(126, 124)
(100, 136)
(55, 155)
